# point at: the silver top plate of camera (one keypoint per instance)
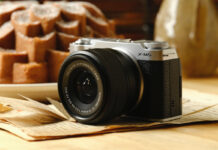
(141, 50)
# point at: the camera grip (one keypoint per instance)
(162, 93)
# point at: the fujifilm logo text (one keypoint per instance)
(144, 54)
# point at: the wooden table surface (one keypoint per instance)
(198, 136)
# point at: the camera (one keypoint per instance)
(103, 79)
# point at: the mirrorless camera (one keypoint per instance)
(103, 79)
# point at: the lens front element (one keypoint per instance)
(85, 85)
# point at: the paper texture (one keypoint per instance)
(34, 121)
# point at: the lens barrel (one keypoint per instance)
(98, 85)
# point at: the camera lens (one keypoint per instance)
(84, 85)
(98, 85)
(81, 88)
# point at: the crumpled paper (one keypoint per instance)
(33, 121)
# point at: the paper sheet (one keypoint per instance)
(33, 121)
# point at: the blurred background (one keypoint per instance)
(134, 18)
(196, 43)
(195, 34)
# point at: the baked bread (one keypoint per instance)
(47, 15)
(22, 23)
(36, 47)
(112, 24)
(64, 40)
(72, 11)
(25, 4)
(6, 9)
(70, 27)
(96, 19)
(30, 73)
(7, 36)
(7, 59)
(32, 29)
(89, 32)
(94, 10)
(55, 59)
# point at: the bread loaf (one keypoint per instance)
(25, 4)
(112, 24)
(72, 11)
(71, 27)
(95, 11)
(22, 23)
(47, 15)
(96, 19)
(30, 73)
(7, 36)
(55, 59)
(89, 32)
(6, 9)
(7, 59)
(64, 40)
(36, 47)
(32, 31)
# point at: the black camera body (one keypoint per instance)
(105, 78)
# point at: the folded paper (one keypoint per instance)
(34, 121)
